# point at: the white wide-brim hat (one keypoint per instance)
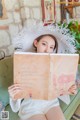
(24, 40)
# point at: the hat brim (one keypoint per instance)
(24, 40)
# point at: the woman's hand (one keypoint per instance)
(72, 89)
(14, 90)
(78, 83)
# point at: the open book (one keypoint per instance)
(43, 75)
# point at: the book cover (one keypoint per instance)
(43, 75)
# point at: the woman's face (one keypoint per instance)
(45, 44)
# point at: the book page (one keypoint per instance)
(63, 74)
(32, 72)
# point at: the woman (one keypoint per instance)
(30, 109)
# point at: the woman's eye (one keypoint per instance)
(51, 48)
(43, 43)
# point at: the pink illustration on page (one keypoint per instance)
(63, 83)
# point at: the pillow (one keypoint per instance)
(2, 106)
(6, 77)
(4, 96)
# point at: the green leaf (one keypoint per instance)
(76, 24)
(70, 24)
(77, 45)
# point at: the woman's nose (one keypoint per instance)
(47, 49)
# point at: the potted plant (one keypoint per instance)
(74, 29)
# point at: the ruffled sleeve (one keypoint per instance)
(15, 104)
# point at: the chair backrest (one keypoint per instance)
(6, 78)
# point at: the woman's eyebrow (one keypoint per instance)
(52, 45)
(45, 41)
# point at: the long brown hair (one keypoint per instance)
(53, 37)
